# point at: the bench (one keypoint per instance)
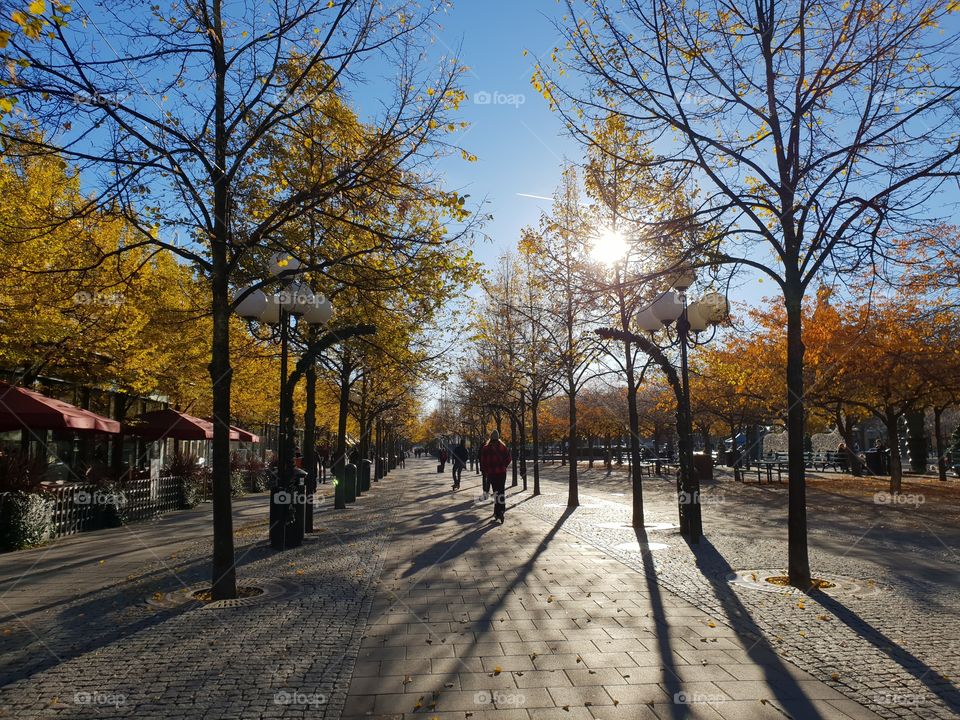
(770, 466)
(834, 460)
(815, 461)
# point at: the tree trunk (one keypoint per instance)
(917, 449)
(514, 449)
(522, 423)
(535, 429)
(116, 442)
(224, 579)
(798, 559)
(590, 451)
(941, 451)
(310, 443)
(845, 428)
(891, 420)
(340, 454)
(573, 495)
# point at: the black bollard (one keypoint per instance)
(339, 489)
(365, 475)
(350, 482)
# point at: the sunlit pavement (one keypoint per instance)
(477, 620)
(887, 638)
(413, 601)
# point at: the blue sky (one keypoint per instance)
(518, 141)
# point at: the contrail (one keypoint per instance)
(535, 197)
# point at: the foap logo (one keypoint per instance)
(84, 297)
(286, 497)
(483, 498)
(687, 498)
(100, 99)
(687, 698)
(98, 697)
(900, 699)
(295, 697)
(500, 698)
(485, 97)
(98, 497)
(887, 498)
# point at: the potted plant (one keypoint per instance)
(259, 476)
(193, 480)
(238, 475)
(25, 510)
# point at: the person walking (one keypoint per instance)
(495, 458)
(459, 457)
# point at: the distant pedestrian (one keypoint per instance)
(443, 459)
(460, 457)
(495, 458)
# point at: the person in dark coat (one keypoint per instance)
(495, 458)
(459, 457)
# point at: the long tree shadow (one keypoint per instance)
(448, 549)
(486, 620)
(937, 683)
(671, 680)
(782, 684)
(89, 623)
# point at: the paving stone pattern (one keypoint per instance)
(525, 621)
(896, 651)
(107, 654)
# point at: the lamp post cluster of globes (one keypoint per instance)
(295, 299)
(691, 318)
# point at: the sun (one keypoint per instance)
(608, 246)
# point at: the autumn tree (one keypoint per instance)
(814, 130)
(174, 124)
(561, 250)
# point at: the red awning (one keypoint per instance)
(245, 435)
(25, 409)
(169, 423)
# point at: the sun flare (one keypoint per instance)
(608, 246)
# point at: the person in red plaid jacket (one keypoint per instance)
(494, 460)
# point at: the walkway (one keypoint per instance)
(87, 562)
(109, 654)
(413, 603)
(887, 637)
(474, 620)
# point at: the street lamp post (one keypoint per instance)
(670, 307)
(288, 500)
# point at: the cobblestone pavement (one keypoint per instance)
(109, 654)
(528, 621)
(893, 644)
(91, 561)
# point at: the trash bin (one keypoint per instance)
(350, 482)
(703, 465)
(365, 475)
(339, 487)
(873, 459)
(287, 514)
